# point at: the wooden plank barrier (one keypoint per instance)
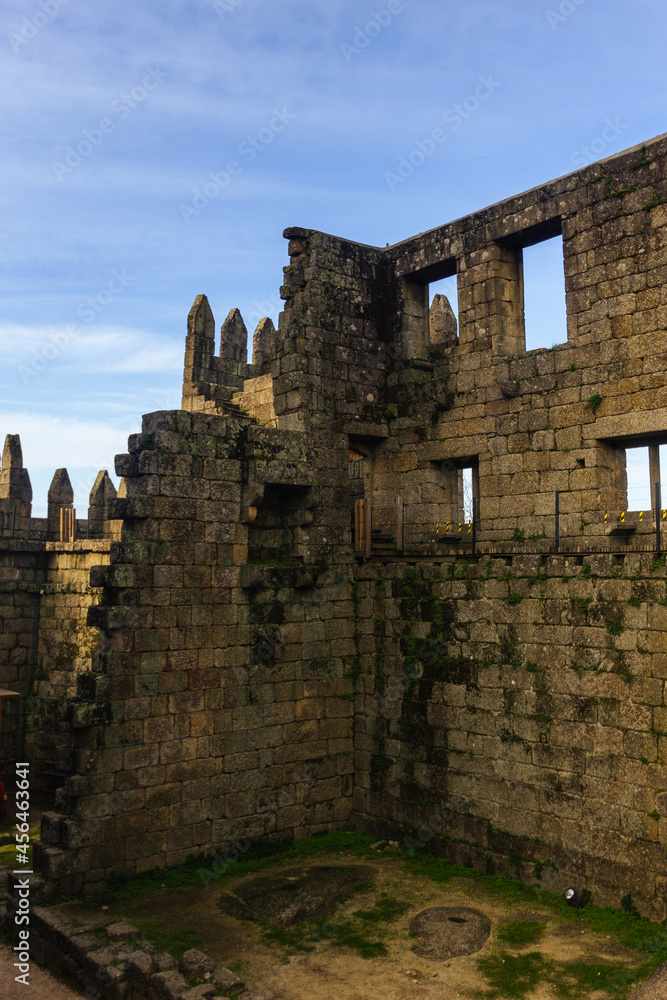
(359, 525)
(67, 524)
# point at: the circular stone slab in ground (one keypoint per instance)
(294, 894)
(448, 931)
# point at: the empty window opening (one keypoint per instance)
(467, 490)
(443, 303)
(459, 479)
(544, 294)
(637, 468)
(430, 307)
(643, 472)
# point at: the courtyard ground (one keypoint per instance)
(343, 916)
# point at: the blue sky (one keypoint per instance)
(115, 116)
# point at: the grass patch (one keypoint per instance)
(385, 910)
(8, 855)
(515, 976)
(345, 839)
(346, 935)
(293, 939)
(8, 852)
(174, 941)
(352, 933)
(201, 871)
(511, 976)
(574, 980)
(521, 932)
(625, 925)
(633, 931)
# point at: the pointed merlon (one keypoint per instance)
(264, 345)
(61, 493)
(200, 341)
(234, 338)
(442, 321)
(99, 504)
(12, 455)
(200, 319)
(14, 479)
(103, 490)
(199, 348)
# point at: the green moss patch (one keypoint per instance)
(521, 932)
(511, 976)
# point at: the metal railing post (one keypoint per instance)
(475, 502)
(368, 520)
(399, 525)
(359, 522)
(658, 503)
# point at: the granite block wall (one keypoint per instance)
(256, 676)
(45, 647)
(511, 714)
(228, 710)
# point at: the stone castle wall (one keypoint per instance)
(225, 687)
(45, 647)
(533, 423)
(511, 712)
(268, 665)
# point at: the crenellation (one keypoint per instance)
(233, 341)
(15, 490)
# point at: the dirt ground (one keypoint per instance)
(329, 971)
(42, 985)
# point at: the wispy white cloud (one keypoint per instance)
(58, 441)
(73, 348)
(50, 442)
